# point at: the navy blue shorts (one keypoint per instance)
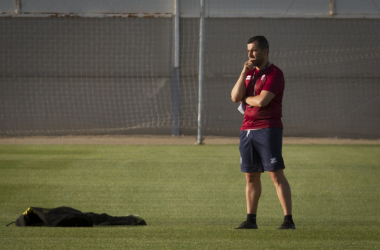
(261, 150)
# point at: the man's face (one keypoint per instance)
(256, 55)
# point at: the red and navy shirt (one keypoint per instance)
(270, 79)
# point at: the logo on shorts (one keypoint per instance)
(273, 160)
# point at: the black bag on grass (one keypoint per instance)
(70, 217)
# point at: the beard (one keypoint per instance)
(257, 61)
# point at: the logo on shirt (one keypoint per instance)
(263, 77)
(248, 77)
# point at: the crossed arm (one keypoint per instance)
(238, 94)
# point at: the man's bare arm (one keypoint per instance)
(261, 100)
(238, 91)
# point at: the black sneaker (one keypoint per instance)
(247, 225)
(287, 225)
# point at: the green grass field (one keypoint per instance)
(192, 197)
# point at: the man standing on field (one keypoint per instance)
(259, 89)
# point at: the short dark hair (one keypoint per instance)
(263, 42)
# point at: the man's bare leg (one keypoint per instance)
(253, 191)
(284, 195)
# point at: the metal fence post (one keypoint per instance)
(176, 73)
(200, 71)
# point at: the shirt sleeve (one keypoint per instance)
(248, 78)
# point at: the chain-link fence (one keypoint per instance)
(107, 75)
